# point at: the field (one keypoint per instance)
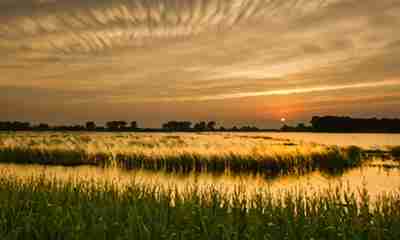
(37, 205)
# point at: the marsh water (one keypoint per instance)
(376, 176)
(364, 140)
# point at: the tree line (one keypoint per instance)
(88, 126)
(123, 126)
(347, 124)
(317, 124)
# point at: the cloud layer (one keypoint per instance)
(92, 26)
(138, 52)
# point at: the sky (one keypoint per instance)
(238, 62)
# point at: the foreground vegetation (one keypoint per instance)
(48, 209)
(178, 153)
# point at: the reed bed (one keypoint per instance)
(49, 209)
(177, 153)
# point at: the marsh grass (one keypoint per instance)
(48, 209)
(331, 160)
(179, 153)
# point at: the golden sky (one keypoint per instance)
(233, 61)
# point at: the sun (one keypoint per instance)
(283, 120)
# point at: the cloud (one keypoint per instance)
(311, 89)
(93, 26)
(138, 51)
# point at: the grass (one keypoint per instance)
(182, 153)
(48, 209)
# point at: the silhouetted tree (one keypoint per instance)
(200, 126)
(15, 126)
(347, 124)
(285, 128)
(249, 129)
(177, 126)
(301, 127)
(211, 126)
(112, 125)
(43, 126)
(122, 125)
(134, 125)
(90, 126)
(116, 125)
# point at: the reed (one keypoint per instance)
(48, 209)
(183, 153)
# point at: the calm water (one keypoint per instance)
(375, 179)
(363, 140)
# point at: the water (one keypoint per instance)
(364, 140)
(373, 177)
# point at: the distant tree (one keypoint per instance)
(134, 125)
(301, 126)
(15, 126)
(116, 125)
(167, 126)
(90, 126)
(347, 124)
(211, 126)
(200, 126)
(113, 125)
(78, 128)
(122, 124)
(4, 126)
(177, 126)
(43, 126)
(186, 125)
(249, 129)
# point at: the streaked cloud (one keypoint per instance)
(120, 52)
(326, 88)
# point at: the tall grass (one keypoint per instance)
(42, 209)
(181, 153)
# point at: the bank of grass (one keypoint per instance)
(47, 209)
(283, 161)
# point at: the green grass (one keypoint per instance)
(41, 209)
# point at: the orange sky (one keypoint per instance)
(233, 61)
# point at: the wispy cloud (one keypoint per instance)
(93, 26)
(122, 52)
(300, 90)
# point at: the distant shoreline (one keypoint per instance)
(325, 124)
(216, 131)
